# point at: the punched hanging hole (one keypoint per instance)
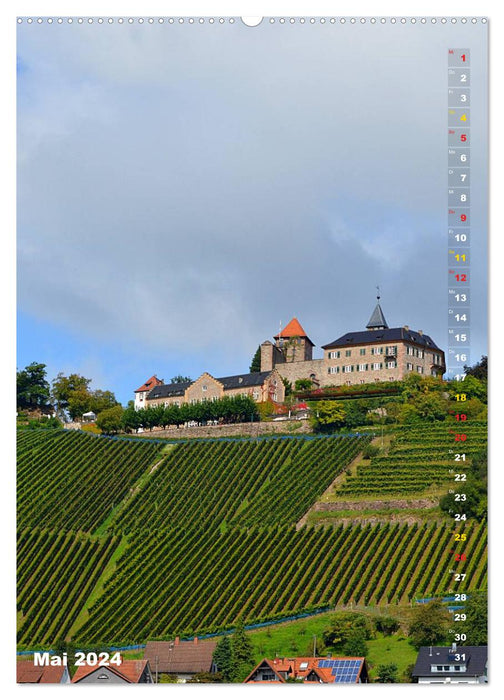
(251, 21)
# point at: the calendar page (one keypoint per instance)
(252, 422)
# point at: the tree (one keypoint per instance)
(131, 420)
(110, 420)
(223, 659)
(303, 384)
(429, 624)
(476, 623)
(63, 386)
(255, 365)
(180, 379)
(355, 644)
(329, 414)
(101, 400)
(32, 389)
(479, 370)
(79, 402)
(242, 654)
(343, 625)
(387, 673)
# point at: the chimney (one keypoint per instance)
(177, 640)
(195, 640)
(406, 328)
(420, 332)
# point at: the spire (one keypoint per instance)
(377, 320)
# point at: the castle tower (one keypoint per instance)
(293, 343)
(377, 321)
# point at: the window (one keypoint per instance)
(392, 364)
(362, 368)
(348, 353)
(362, 351)
(391, 350)
(362, 381)
(391, 379)
(333, 370)
(420, 354)
(410, 351)
(274, 397)
(376, 365)
(333, 354)
(409, 366)
(204, 387)
(256, 395)
(348, 368)
(419, 369)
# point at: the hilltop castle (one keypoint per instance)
(376, 354)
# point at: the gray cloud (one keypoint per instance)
(185, 188)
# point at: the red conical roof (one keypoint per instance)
(293, 328)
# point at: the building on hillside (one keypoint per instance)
(376, 354)
(453, 665)
(310, 669)
(142, 392)
(129, 671)
(260, 386)
(182, 659)
(27, 672)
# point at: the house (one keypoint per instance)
(142, 391)
(378, 353)
(310, 669)
(129, 671)
(181, 658)
(27, 672)
(443, 665)
(260, 386)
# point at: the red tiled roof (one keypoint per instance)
(180, 657)
(130, 669)
(28, 673)
(149, 384)
(293, 328)
(293, 668)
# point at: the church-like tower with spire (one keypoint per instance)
(377, 354)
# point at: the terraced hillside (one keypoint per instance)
(413, 470)
(125, 540)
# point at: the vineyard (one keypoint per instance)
(243, 482)
(72, 481)
(264, 573)
(56, 573)
(419, 460)
(120, 541)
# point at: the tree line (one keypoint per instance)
(66, 394)
(229, 409)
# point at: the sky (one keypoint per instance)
(185, 189)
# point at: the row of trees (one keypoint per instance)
(230, 409)
(66, 394)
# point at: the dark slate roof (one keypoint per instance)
(377, 319)
(164, 390)
(244, 380)
(475, 660)
(381, 336)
